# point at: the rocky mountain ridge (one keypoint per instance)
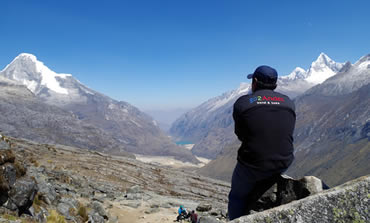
(122, 123)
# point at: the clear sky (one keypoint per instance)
(161, 54)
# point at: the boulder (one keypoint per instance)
(284, 189)
(9, 172)
(349, 202)
(22, 194)
(203, 207)
(46, 192)
(96, 218)
(134, 190)
(64, 209)
(99, 209)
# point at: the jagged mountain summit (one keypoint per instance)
(128, 126)
(300, 80)
(332, 128)
(350, 78)
(210, 125)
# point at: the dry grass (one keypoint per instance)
(34, 161)
(82, 212)
(7, 156)
(20, 169)
(54, 217)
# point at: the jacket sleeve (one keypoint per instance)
(237, 121)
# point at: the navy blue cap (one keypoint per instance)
(265, 74)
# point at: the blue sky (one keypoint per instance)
(178, 53)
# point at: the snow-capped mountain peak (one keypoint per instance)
(297, 73)
(25, 68)
(364, 62)
(322, 68)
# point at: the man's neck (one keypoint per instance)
(261, 89)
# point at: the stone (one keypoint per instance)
(99, 209)
(313, 184)
(22, 193)
(133, 196)
(42, 215)
(47, 192)
(134, 189)
(208, 219)
(9, 172)
(96, 218)
(4, 145)
(64, 209)
(132, 204)
(203, 207)
(70, 201)
(151, 211)
(166, 205)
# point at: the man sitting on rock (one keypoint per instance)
(183, 214)
(264, 123)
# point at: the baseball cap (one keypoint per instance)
(265, 74)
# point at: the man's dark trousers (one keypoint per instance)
(245, 181)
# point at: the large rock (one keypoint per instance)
(204, 207)
(283, 189)
(9, 172)
(99, 209)
(349, 202)
(22, 194)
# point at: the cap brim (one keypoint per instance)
(250, 76)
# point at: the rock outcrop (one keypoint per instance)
(284, 190)
(346, 203)
(17, 191)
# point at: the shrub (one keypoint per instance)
(82, 211)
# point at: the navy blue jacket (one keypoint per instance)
(264, 122)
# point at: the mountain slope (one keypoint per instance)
(332, 130)
(24, 115)
(131, 128)
(210, 125)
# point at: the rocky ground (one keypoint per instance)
(81, 185)
(66, 184)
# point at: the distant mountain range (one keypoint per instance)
(332, 131)
(123, 127)
(210, 126)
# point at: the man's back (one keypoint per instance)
(264, 122)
